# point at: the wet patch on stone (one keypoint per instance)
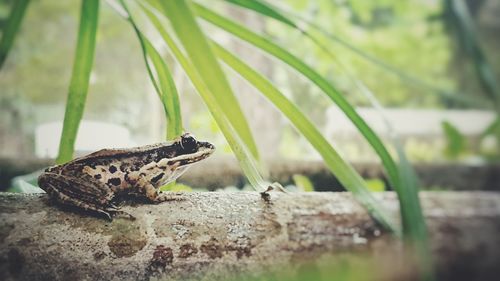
(187, 250)
(212, 248)
(240, 250)
(5, 231)
(16, 262)
(162, 257)
(99, 255)
(128, 238)
(216, 249)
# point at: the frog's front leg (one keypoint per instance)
(83, 192)
(153, 193)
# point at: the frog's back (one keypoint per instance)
(153, 152)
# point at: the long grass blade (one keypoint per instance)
(264, 9)
(312, 75)
(82, 65)
(414, 227)
(247, 163)
(194, 42)
(11, 28)
(165, 87)
(342, 170)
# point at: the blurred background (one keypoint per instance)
(415, 57)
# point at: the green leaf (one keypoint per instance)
(247, 163)
(165, 88)
(303, 183)
(11, 28)
(168, 92)
(492, 129)
(262, 8)
(26, 183)
(375, 185)
(84, 58)
(176, 187)
(199, 52)
(342, 170)
(455, 141)
(414, 228)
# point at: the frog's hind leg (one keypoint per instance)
(83, 192)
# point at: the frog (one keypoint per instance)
(99, 181)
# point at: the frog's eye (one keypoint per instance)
(188, 143)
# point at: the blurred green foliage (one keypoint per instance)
(458, 16)
(456, 143)
(410, 35)
(375, 185)
(405, 34)
(344, 267)
(303, 183)
(176, 187)
(38, 66)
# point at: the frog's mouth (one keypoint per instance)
(204, 150)
(184, 161)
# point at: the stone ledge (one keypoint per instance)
(216, 235)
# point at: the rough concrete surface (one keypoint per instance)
(216, 235)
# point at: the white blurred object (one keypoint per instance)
(92, 136)
(489, 144)
(410, 122)
(420, 131)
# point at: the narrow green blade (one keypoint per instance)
(414, 227)
(264, 9)
(11, 27)
(84, 59)
(165, 87)
(168, 92)
(455, 141)
(199, 52)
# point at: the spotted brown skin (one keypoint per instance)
(94, 182)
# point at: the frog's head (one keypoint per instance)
(183, 152)
(188, 150)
